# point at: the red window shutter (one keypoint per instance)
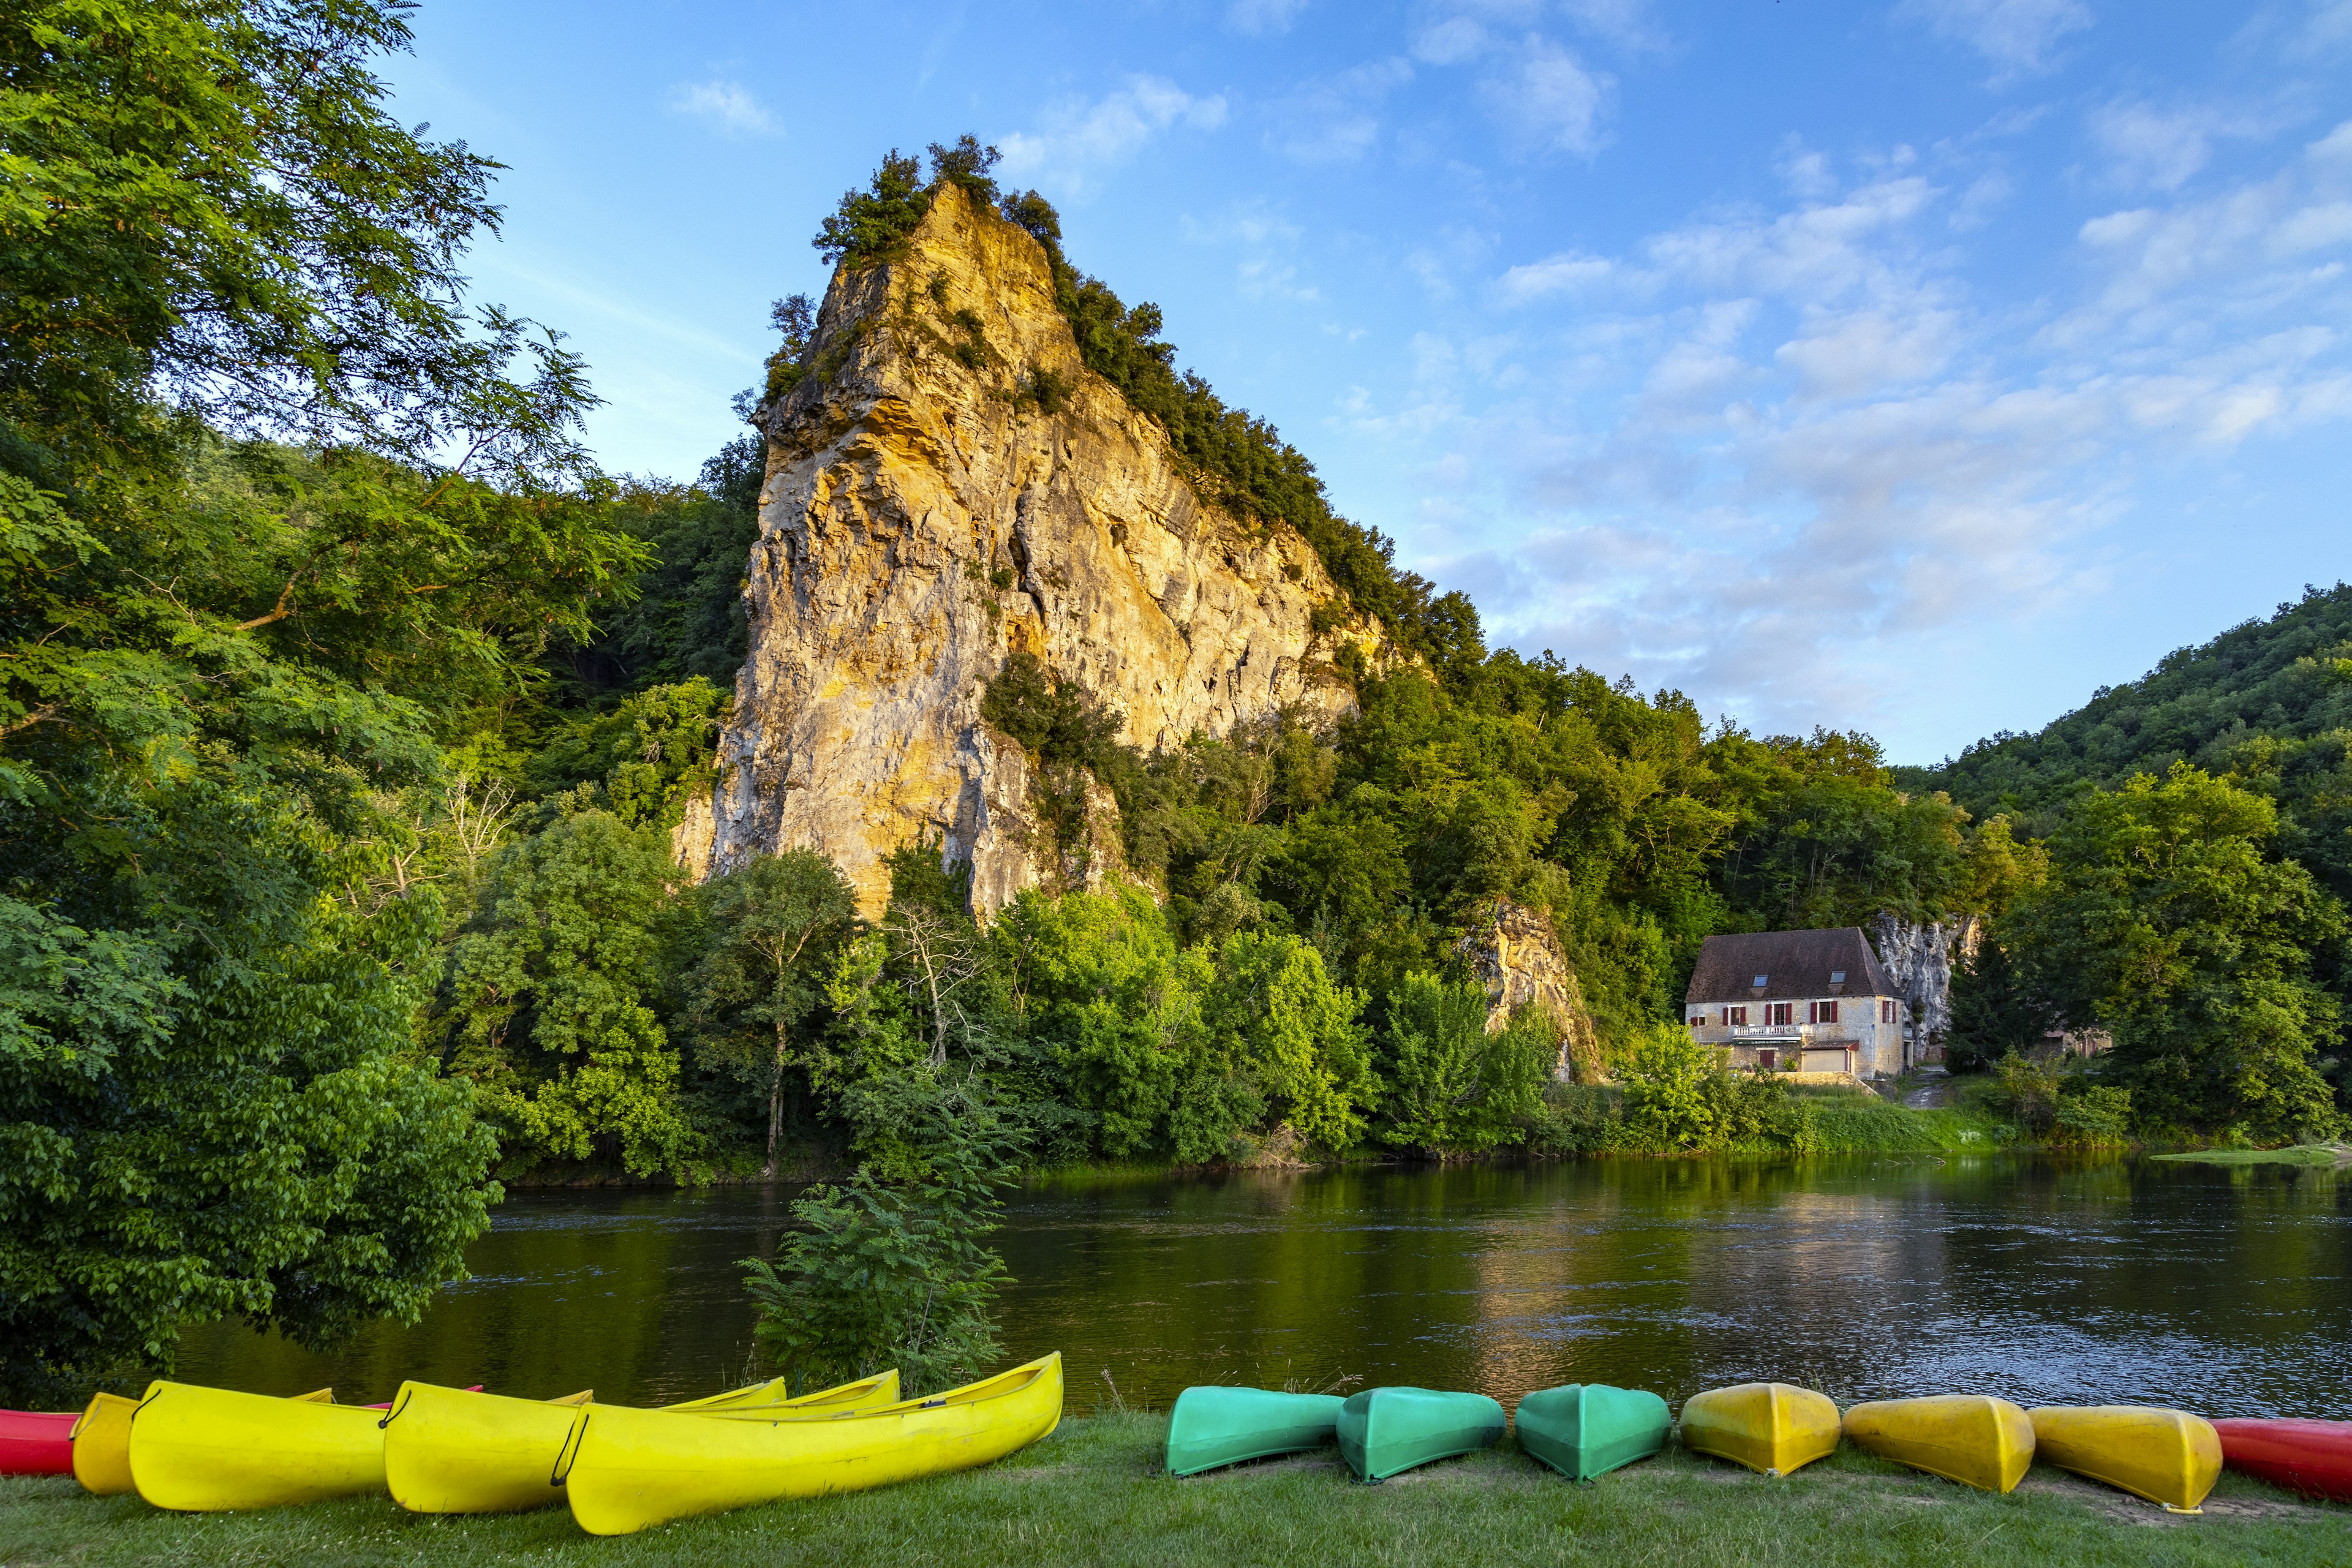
(1813, 1012)
(1829, 1012)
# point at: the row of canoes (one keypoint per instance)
(1586, 1430)
(448, 1450)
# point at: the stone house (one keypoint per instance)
(1809, 1001)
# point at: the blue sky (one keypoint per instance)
(1914, 366)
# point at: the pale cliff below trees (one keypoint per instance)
(948, 485)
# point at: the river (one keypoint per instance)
(2228, 1292)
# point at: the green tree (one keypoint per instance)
(1273, 1012)
(550, 1004)
(774, 933)
(2165, 923)
(886, 1274)
(1451, 1083)
(1671, 1096)
(278, 512)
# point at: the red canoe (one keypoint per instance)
(2310, 1457)
(37, 1442)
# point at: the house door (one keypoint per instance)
(1768, 1058)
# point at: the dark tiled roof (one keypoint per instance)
(1797, 964)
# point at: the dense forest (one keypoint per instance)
(346, 706)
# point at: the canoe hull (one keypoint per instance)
(2314, 1457)
(449, 1451)
(37, 1442)
(1384, 1432)
(626, 1470)
(202, 1450)
(102, 1446)
(1971, 1439)
(1772, 1427)
(2165, 1456)
(1211, 1428)
(1586, 1430)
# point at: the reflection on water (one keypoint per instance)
(2223, 1290)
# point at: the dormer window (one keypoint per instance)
(1761, 980)
(1837, 976)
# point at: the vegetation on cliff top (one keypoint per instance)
(1254, 471)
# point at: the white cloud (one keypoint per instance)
(1772, 455)
(1626, 23)
(1545, 95)
(2020, 37)
(1258, 18)
(1076, 141)
(1569, 271)
(726, 106)
(1450, 42)
(1336, 119)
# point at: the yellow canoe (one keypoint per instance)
(101, 1445)
(1768, 1426)
(450, 1450)
(629, 1470)
(201, 1449)
(1971, 1439)
(2165, 1456)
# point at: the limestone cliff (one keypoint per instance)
(1516, 955)
(947, 485)
(1919, 960)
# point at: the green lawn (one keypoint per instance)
(1090, 1495)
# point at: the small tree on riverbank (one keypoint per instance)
(892, 1273)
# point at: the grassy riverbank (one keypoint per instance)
(2310, 1157)
(1090, 1495)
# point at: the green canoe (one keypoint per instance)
(1587, 1429)
(1214, 1427)
(1384, 1431)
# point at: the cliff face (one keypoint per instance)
(1919, 960)
(949, 485)
(1516, 955)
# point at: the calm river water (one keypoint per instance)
(2225, 1291)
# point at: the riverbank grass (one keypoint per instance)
(2311, 1156)
(1090, 1494)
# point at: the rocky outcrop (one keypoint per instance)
(947, 485)
(1516, 955)
(1919, 960)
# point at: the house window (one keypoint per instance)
(1821, 1012)
(1778, 1011)
(1768, 1058)
(1887, 1010)
(1738, 1015)
(1696, 1019)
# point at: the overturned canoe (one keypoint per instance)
(1971, 1439)
(1585, 1430)
(1214, 1427)
(1774, 1428)
(37, 1442)
(629, 1470)
(101, 1445)
(2314, 1457)
(2165, 1456)
(1386, 1431)
(203, 1449)
(447, 1450)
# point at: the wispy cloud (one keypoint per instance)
(1258, 18)
(1078, 141)
(1771, 455)
(1335, 119)
(1547, 98)
(2018, 38)
(726, 106)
